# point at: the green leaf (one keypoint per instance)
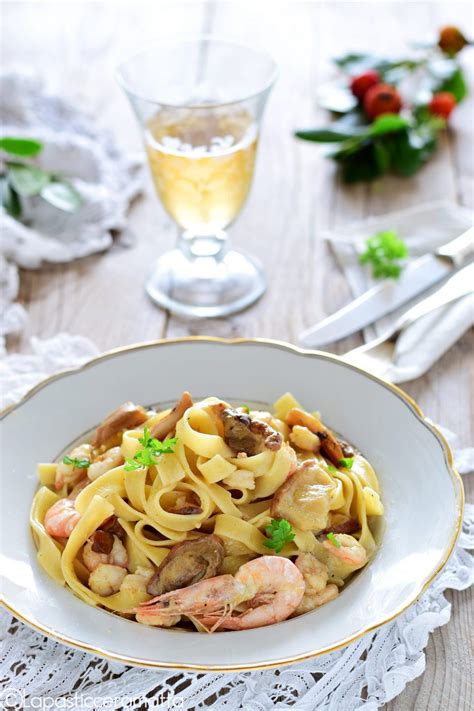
(332, 538)
(383, 252)
(27, 179)
(280, 533)
(455, 84)
(62, 195)
(76, 463)
(362, 163)
(325, 135)
(346, 462)
(9, 198)
(387, 123)
(27, 147)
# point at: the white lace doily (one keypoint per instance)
(73, 146)
(362, 676)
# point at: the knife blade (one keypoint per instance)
(387, 296)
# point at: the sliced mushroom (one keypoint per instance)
(126, 416)
(185, 507)
(168, 423)
(112, 525)
(340, 523)
(187, 563)
(244, 434)
(331, 447)
(304, 498)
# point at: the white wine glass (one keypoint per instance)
(200, 102)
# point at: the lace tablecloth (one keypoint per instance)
(35, 670)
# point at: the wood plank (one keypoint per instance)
(84, 44)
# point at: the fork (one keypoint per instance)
(377, 355)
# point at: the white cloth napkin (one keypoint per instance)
(75, 147)
(424, 228)
(361, 677)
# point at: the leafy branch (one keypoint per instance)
(19, 179)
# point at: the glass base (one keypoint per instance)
(203, 286)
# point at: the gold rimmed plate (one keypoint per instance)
(421, 491)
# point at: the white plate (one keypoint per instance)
(422, 493)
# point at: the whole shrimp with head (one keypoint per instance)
(262, 592)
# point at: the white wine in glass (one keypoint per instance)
(201, 116)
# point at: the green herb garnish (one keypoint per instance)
(346, 462)
(332, 468)
(331, 537)
(245, 408)
(22, 179)
(384, 251)
(152, 449)
(280, 533)
(77, 463)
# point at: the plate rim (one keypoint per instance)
(401, 394)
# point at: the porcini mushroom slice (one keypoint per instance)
(244, 434)
(187, 563)
(304, 498)
(168, 423)
(124, 417)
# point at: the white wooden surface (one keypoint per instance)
(75, 47)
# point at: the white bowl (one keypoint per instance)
(422, 493)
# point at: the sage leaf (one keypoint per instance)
(9, 198)
(26, 147)
(62, 195)
(27, 179)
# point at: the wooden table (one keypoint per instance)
(296, 194)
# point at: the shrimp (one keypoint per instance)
(70, 474)
(104, 462)
(317, 591)
(263, 591)
(104, 548)
(107, 579)
(350, 550)
(274, 588)
(312, 600)
(61, 518)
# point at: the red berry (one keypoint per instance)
(382, 99)
(362, 83)
(451, 40)
(442, 104)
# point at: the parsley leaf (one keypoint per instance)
(280, 533)
(77, 463)
(346, 462)
(332, 468)
(152, 449)
(331, 537)
(384, 252)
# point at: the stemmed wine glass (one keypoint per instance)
(200, 101)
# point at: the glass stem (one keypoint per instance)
(198, 246)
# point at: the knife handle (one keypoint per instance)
(458, 249)
(458, 285)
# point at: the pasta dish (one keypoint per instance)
(207, 516)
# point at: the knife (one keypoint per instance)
(385, 297)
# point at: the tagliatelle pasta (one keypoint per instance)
(231, 519)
